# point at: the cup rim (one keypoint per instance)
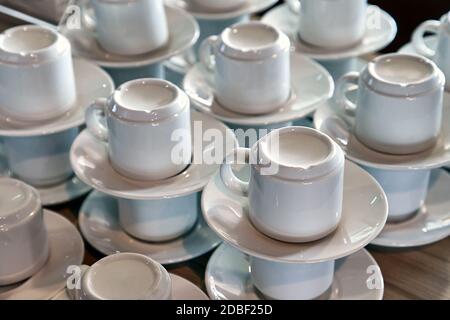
(50, 52)
(31, 206)
(333, 161)
(282, 43)
(428, 83)
(179, 103)
(161, 288)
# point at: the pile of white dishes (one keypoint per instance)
(336, 32)
(436, 46)
(145, 152)
(43, 97)
(130, 38)
(145, 279)
(213, 16)
(395, 126)
(249, 78)
(37, 244)
(303, 215)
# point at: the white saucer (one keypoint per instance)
(99, 224)
(431, 41)
(331, 121)
(374, 39)
(228, 277)
(364, 214)
(91, 83)
(66, 249)
(436, 212)
(182, 289)
(183, 33)
(311, 86)
(250, 6)
(90, 161)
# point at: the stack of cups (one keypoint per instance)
(137, 122)
(291, 169)
(398, 112)
(37, 86)
(23, 235)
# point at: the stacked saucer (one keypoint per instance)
(132, 41)
(255, 82)
(395, 127)
(212, 17)
(146, 279)
(148, 156)
(43, 96)
(298, 226)
(37, 245)
(335, 40)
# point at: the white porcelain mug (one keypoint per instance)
(159, 220)
(441, 54)
(141, 118)
(296, 184)
(23, 235)
(331, 23)
(399, 103)
(406, 190)
(41, 160)
(291, 281)
(37, 81)
(123, 276)
(251, 63)
(219, 5)
(131, 27)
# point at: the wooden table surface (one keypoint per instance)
(418, 273)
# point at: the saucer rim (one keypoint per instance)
(251, 7)
(342, 53)
(154, 59)
(61, 220)
(264, 119)
(413, 242)
(224, 246)
(52, 127)
(83, 217)
(377, 230)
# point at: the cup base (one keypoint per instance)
(325, 295)
(327, 47)
(45, 183)
(127, 174)
(399, 149)
(399, 218)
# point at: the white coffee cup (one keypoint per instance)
(441, 54)
(331, 23)
(123, 276)
(399, 104)
(23, 235)
(159, 220)
(41, 160)
(296, 184)
(251, 63)
(291, 281)
(141, 118)
(131, 27)
(37, 81)
(219, 5)
(406, 190)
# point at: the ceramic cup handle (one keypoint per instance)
(95, 116)
(340, 95)
(294, 5)
(418, 38)
(230, 180)
(206, 52)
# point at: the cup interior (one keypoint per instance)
(402, 69)
(145, 95)
(297, 148)
(28, 39)
(251, 36)
(123, 276)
